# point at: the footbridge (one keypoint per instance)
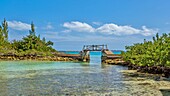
(106, 53)
(85, 53)
(106, 57)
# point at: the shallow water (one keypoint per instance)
(33, 78)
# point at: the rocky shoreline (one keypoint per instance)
(14, 57)
(149, 82)
(164, 71)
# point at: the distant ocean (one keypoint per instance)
(91, 53)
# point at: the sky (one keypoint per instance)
(70, 24)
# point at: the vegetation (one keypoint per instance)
(150, 53)
(29, 44)
(4, 43)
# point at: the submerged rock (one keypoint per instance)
(146, 82)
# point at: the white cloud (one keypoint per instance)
(66, 31)
(97, 23)
(78, 26)
(109, 29)
(117, 30)
(48, 26)
(18, 25)
(148, 32)
(125, 30)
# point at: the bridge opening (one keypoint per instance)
(95, 57)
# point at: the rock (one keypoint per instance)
(145, 83)
(165, 91)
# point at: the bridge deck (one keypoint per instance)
(107, 52)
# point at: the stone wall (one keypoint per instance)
(38, 58)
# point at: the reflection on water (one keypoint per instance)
(60, 78)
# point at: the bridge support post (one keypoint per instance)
(103, 56)
(85, 56)
(109, 58)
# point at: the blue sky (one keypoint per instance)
(72, 23)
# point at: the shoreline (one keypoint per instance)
(161, 70)
(35, 57)
(165, 71)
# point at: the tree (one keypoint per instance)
(29, 43)
(32, 31)
(4, 32)
(150, 53)
(33, 42)
(1, 35)
(44, 40)
(5, 29)
(49, 43)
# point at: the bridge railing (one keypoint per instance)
(94, 47)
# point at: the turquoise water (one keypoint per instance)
(116, 52)
(71, 52)
(35, 78)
